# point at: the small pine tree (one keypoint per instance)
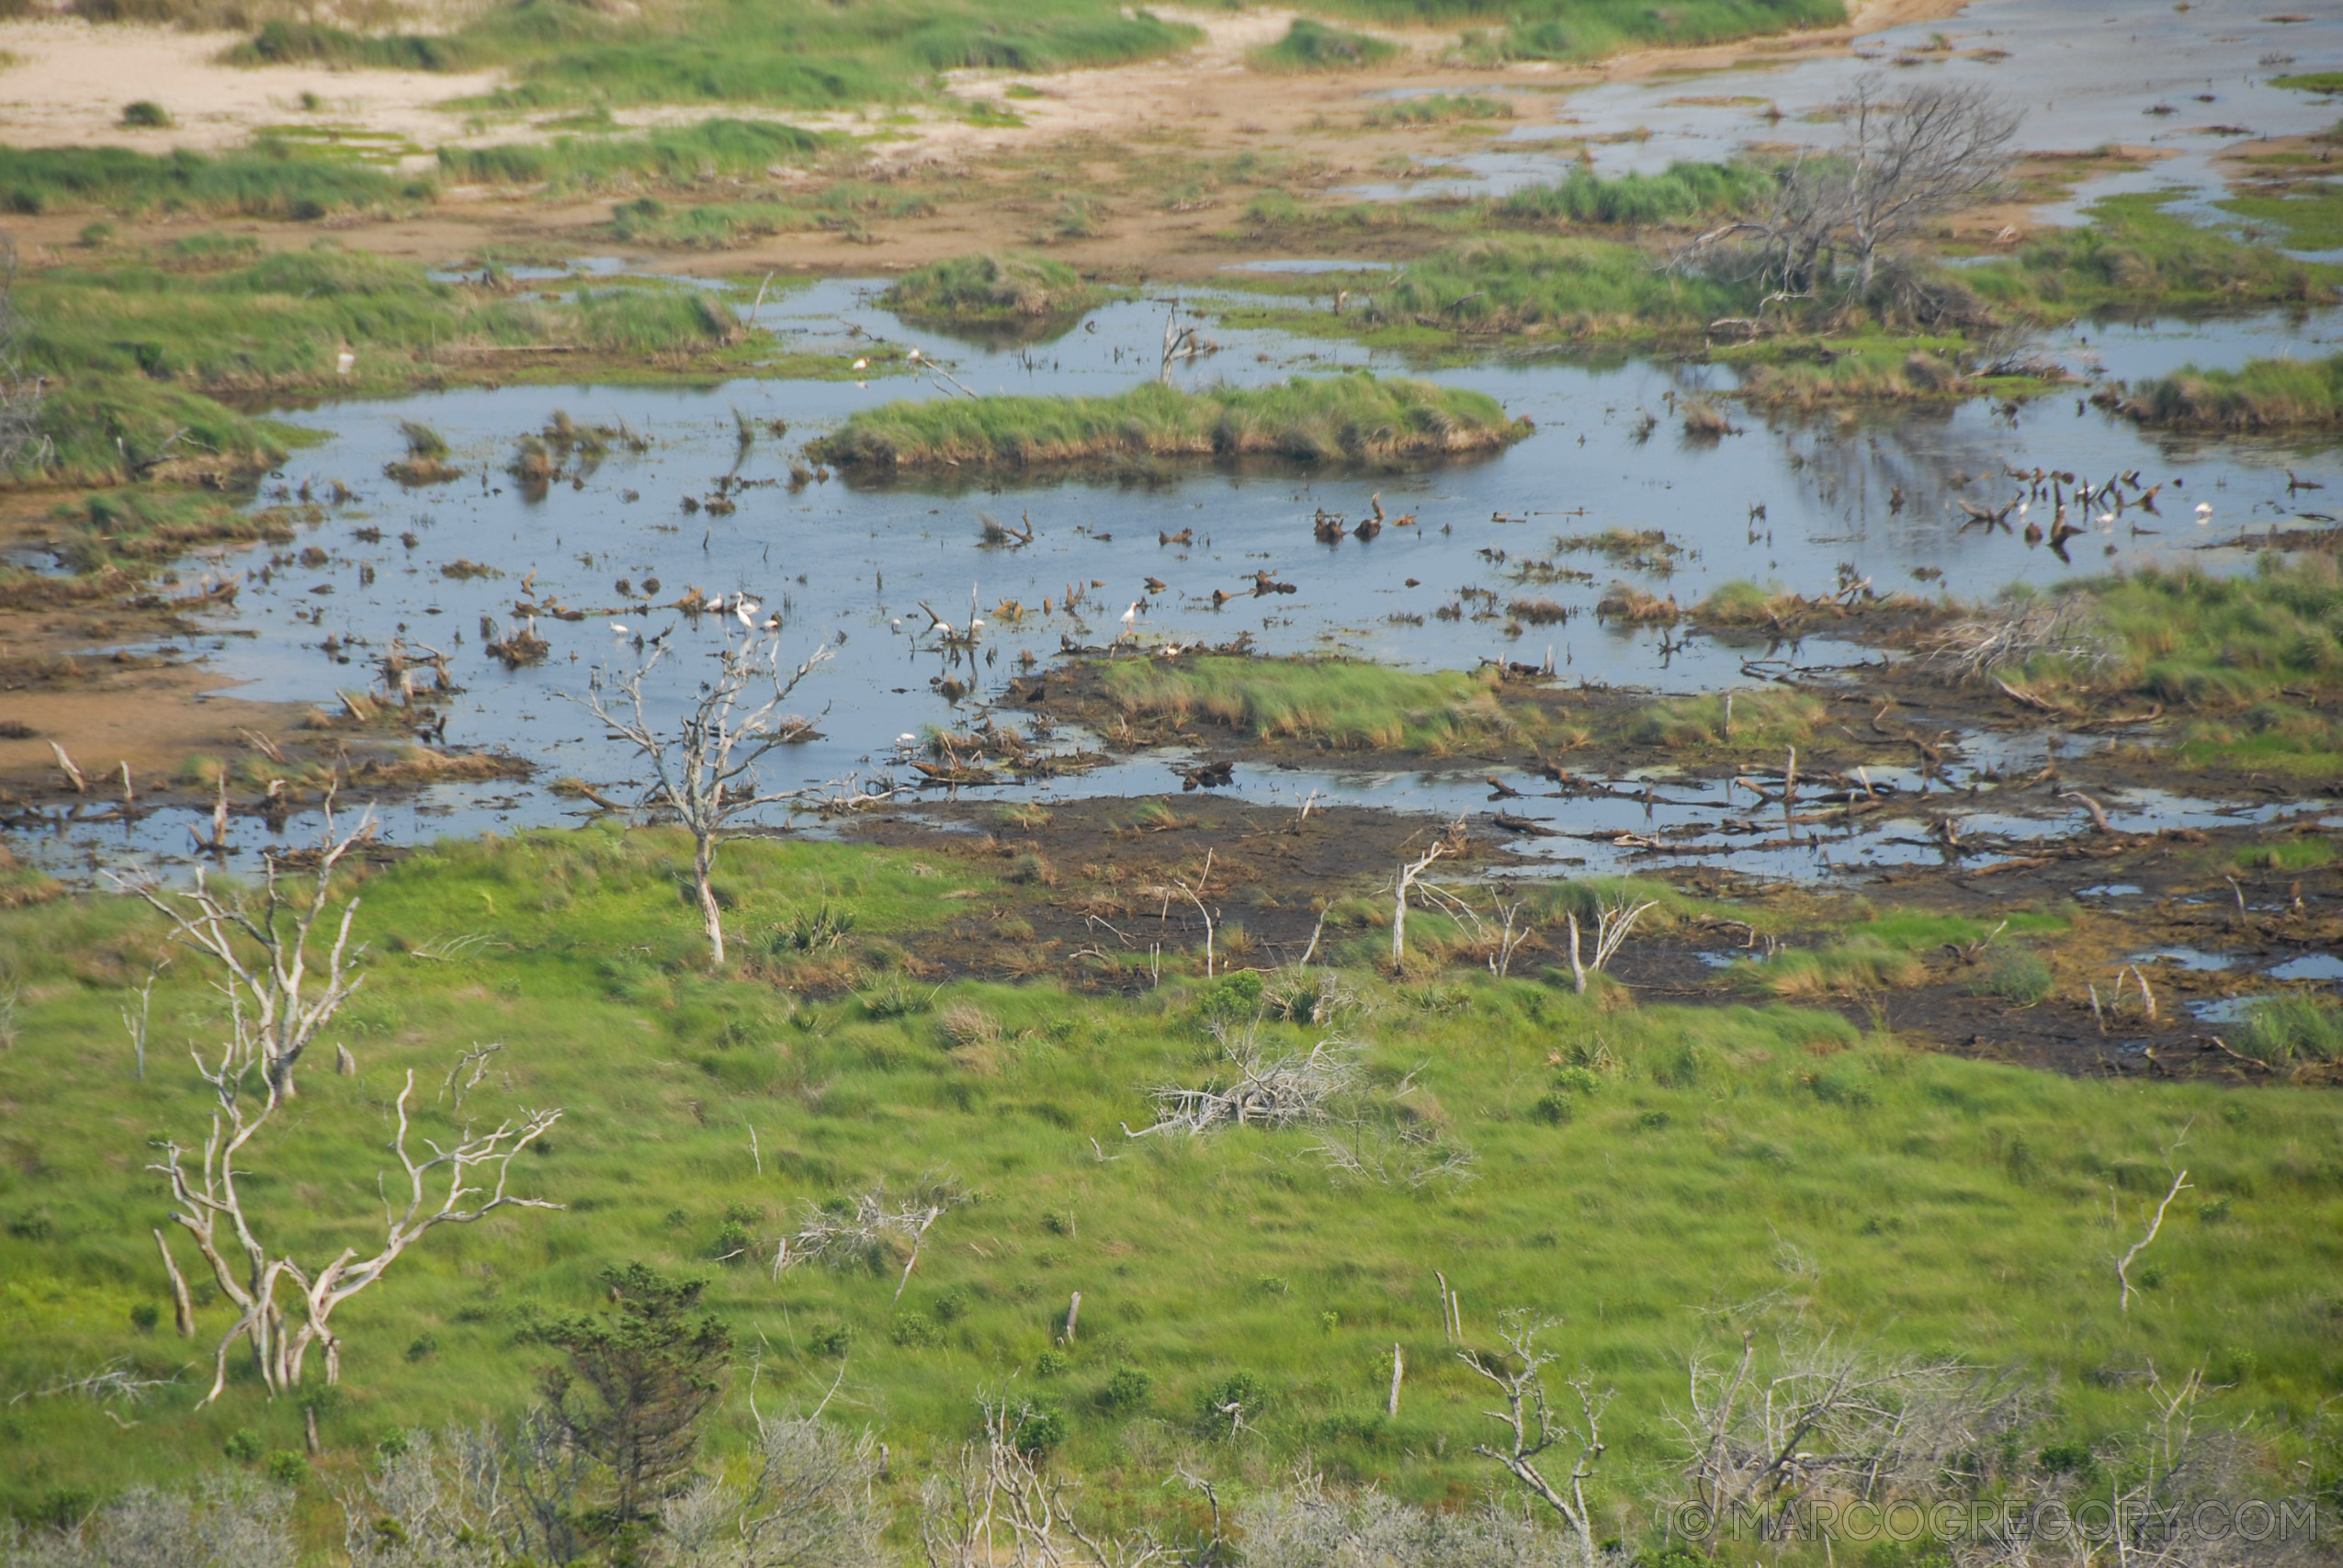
(639, 1381)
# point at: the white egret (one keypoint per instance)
(2204, 513)
(744, 608)
(861, 365)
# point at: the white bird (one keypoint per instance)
(344, 362)
(861, 365)
(2204, 513)
(617, 628)
(976, 625)
(2105, 520)
(716, 606)
(913, 354)
(745, 609)
(1131, 615)
(906, 741)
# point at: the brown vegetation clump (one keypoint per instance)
(1628, 603)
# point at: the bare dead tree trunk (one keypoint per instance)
(704, 769)
(182, 1306)
(1532, 1429)
(262, 950)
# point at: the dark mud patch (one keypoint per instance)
(1095, 895)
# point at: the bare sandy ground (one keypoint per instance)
(73, 79)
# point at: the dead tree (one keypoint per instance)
(1614, 921)
(1261, 1091)
(1905, 157)
(1826, 1423)
(1533, 1428)
(455, 1185)
(992, 1505)
(261, 947)
(874, 1230)
(2155, 1222)
(1916, 154)
(705, 771)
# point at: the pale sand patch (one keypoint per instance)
(75, 77)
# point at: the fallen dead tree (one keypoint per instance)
(1263, 1091)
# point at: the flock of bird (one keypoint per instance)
(2061, 488)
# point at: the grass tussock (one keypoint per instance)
(1353, 418)
(2263, 394)
(1333, 705)
(2135, 255)
(1313, 46)
(991, 291)
(1537, 285)
(1890, 372)
(2251, 665)
(267, 181)
(140, 354)
(1757, 720)
(713, 149)
(1682, 192)
(1436, 108)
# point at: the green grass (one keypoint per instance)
(2251, 664)
(1578, 287)
(739, 51)
(2309, 214)
(993, 291)
(2293, 1030)
(1351, 418)
(1336, 704)
(269, 181)
(713, 149)
(2311, 81)
(1314, 46)
(145, 349)
(2135, 255)
(1589, 29)
(1436, 108)
(2262, 394)
(1682, 191)
(1711, 1161)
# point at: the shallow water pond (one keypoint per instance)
(2180, 83)
(1805, 507)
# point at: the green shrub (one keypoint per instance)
(1243, 1391)
(242, 1445)
(1051, 1364)
(285, 1468)
(2015, 975)
(1039, 1427)
(144, 114)
(1314, 46)
(1125, 1390)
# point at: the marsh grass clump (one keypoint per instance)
(1357, 418)
(1436, 108)
(1573, 287)
(1684, 190)
(2245, 658)
(426, 459)
(2262, 394)
(1313, 46)
(145, 114)
(2294, 1030)
(1004, 290)
(2134, 251)
(681, 155)
(1333, 705)
(2016, 974)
